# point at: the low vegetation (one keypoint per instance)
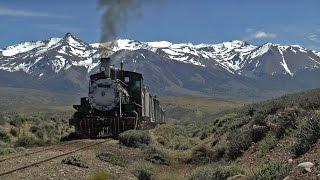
(272, 170)
(156, 155)
(32, 129)
(100, 175)
(134, 138)
(144, 171)
(75, 161)
(308, 134)
(113, 158)
(211, 172)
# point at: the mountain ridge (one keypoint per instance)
(229, 68)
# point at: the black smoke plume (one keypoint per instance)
(115, 16)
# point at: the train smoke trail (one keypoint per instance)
(115, 16)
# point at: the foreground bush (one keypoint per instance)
(75, 161)
(268, 143)
(271, 171)
(156, 155)
(27, 141)
(100, 175)
(144, 171)
(239, 141)
(308, 135)
(115, 159)
(7, 150)
(134, 138)
(4, 136)
(214, 173)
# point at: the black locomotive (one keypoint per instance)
(117, 101)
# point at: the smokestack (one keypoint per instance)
(105, 66)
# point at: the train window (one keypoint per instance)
(136, 85)
(126, 79)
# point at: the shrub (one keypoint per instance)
(200, 154)
(272, 170)
(238, 123)
(144, 171)
(308, 135)
(4, 136)
(100, 175)
(259, 119)
(134, 138)
(34, 129)
(258, 133)
(26, 141)
(2, 119)
(284, 121)
(213, 173)
(7, 150)
(268, 143)
(14, 131)
(155, 155)
(115, 159)
(75, 161)
(180, 143)
(239, 141)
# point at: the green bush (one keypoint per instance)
(7, 150)
(100, 175)
(14, 131)
(155, 155)
(200, 154)
(284, 121)
(272, 170)
(213, 173)
(4, 136)
(268, 143)
(115, 159)
(75, 161)
(239, 141)
(308, 135)
(134, 138)
(144, 171)
(27, 141)
(2, 119)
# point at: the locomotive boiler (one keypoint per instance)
(117, 101)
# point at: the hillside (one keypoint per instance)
(29, 100)
(265, 140)
(255, 140)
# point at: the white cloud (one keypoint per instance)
(254, 34)
(262, 35)
(62, 28)
(313, 37)
(6, 11)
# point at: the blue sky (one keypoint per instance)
(195, 21)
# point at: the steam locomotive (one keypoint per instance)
(117, 101)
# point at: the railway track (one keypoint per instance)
(46, 159)
(38, 151)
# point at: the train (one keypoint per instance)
(118, 100)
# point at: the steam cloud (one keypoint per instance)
(116, 15)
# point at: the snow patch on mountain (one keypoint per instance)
(284, 64)
(21, 48)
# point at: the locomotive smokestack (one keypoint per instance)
(105, 66)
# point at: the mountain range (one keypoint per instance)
(234, 69)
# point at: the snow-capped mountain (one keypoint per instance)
(187, 68)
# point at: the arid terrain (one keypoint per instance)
(204, 138)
